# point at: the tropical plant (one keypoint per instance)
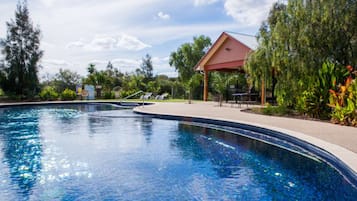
(314, 101)
(194, 81)
(344, 101)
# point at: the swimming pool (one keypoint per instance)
(101, 152)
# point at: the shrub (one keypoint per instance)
(126, 93)
(48, 94)
(344, 101)
(276, 110)
(1, 92)
(109, 95)
(68, 94)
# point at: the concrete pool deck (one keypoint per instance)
(340, 141)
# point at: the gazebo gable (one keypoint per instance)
(230, 55)
(228, 52)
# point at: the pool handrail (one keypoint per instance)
(131, 95)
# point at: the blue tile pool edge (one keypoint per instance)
(315, 151)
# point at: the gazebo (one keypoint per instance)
(228, 53)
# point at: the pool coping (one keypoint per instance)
(342, 159)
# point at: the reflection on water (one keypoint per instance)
(21, 147)
(282, 173)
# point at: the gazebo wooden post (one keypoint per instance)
(205, 86)
(263, 92)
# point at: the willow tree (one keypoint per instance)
(21, 48)
(299, 38)
(260, 65)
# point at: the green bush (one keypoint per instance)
(1, 92)
(125, 93)
(48, 94)
(276, 110)
(109, 95)
(68, 94)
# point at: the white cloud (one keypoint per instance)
(163, 16)
(204, 2)
(55, 62)
(128, 64)
(46, 45)
(75, 44)
(48, 3)
(107, 42)
(100, 43)
(248, 12)
(52, 66)
(130, 43)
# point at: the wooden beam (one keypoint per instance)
(263, 92)
(205, 86)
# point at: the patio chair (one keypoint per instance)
(146, 96)
(163, 96)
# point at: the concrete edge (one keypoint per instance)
(342, 159)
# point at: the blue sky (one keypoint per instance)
(78, 32)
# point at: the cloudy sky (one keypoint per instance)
(78, 32)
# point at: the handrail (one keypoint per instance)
(134, 94)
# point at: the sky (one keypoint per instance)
(78, 32)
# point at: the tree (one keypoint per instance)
(66, 79)
(297, 39)
(22, 54)
(146, 68)
(188, 55)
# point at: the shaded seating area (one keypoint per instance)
(228, 54)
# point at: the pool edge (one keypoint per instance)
(321, 150)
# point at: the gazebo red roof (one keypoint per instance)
(227, 53)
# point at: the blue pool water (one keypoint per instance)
(97, 152)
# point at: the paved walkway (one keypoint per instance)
(338, 140)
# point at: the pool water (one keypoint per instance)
(99, 152)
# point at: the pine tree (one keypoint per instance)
(147, 68)
(21, 48)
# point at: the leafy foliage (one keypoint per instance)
(68, 94)
(344, 101)
(188, 55)
(22, 54)
(314, 100)
(48, 93)
(295, 42)
(66, 79)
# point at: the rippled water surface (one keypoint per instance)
(97, 152)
